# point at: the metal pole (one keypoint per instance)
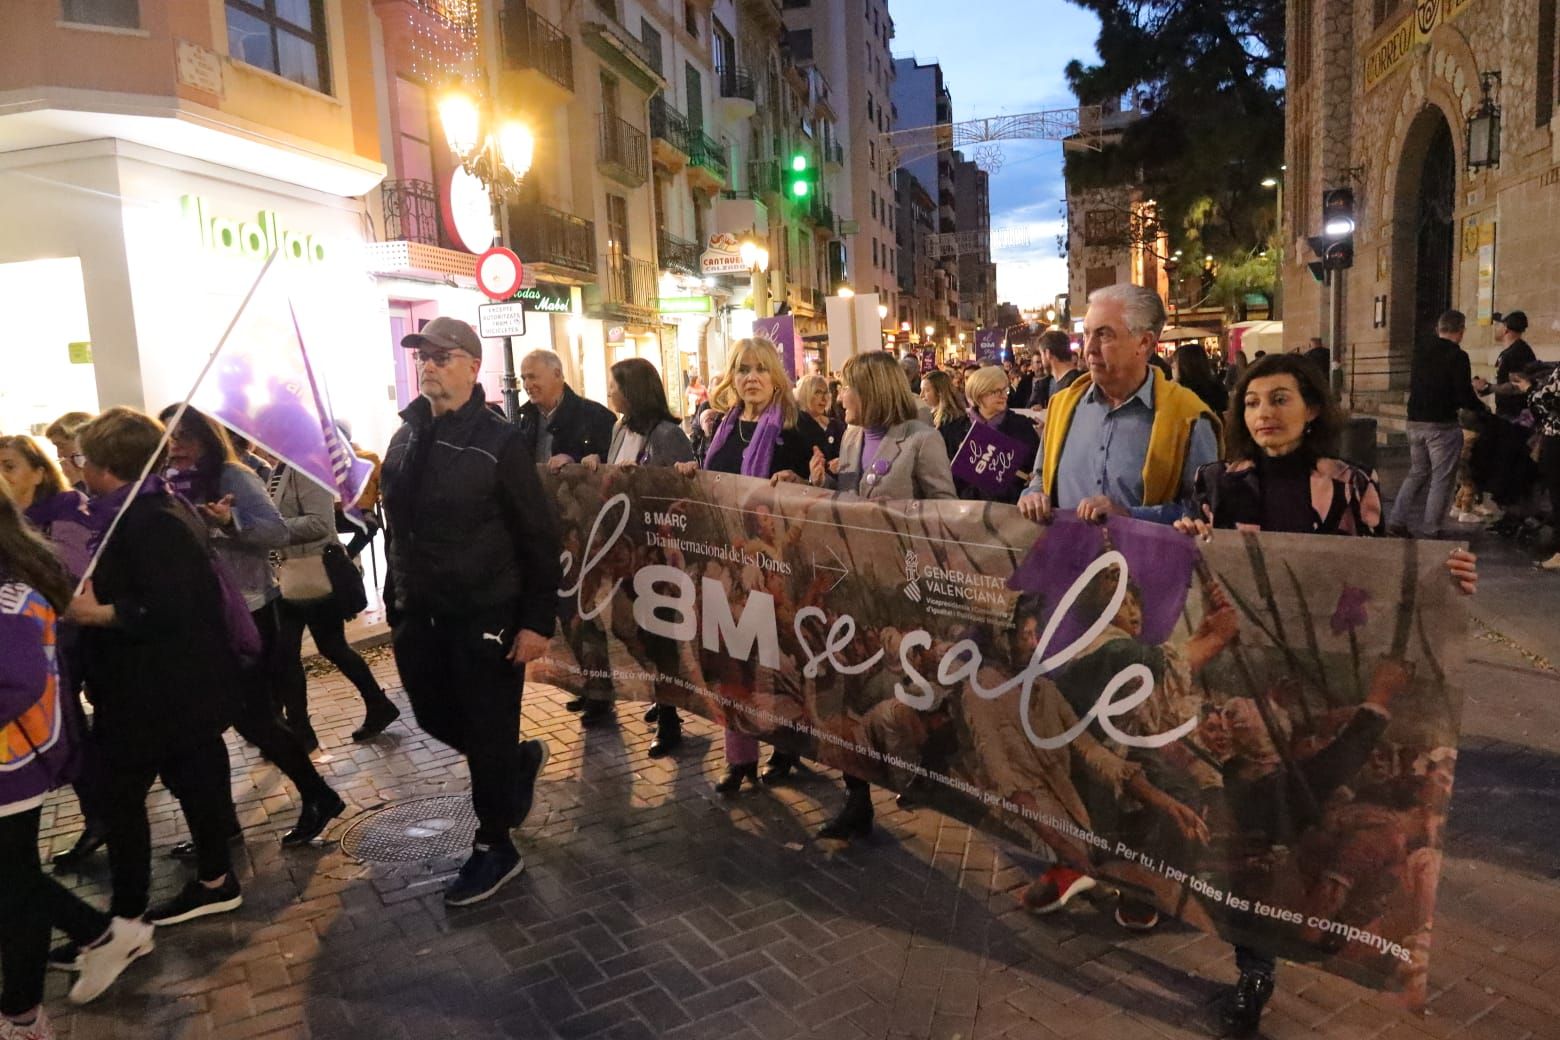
(1335, 331)
(491, 67)
(1283, 240)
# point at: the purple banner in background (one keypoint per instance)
(781, 332)
(989, 459)
(988, 346)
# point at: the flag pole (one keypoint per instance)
(173, 423)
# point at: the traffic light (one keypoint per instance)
(799, 176)
(1334, 247)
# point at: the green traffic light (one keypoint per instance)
(800, 189)
(799, 163)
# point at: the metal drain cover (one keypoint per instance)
(412, 831)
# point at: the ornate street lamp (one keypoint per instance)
(1484, 126)
(498, 157)
(755, 257)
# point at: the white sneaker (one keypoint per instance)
(1551, 564)
(38, 1029)
(1466, 518)
(128, 939)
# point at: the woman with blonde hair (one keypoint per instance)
(758, 436)
(948, 408)
(987, 390)
(814, 400)
(888, 453)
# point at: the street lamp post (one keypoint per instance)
(755, 255)
(497, 153)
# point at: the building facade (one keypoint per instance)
(1381, 96)
(977, 274)
(922, 100)
(152, 154)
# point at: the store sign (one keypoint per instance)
(199, 67)
(496, 320)
(685, 305)
(723, 255)
(545, 299)
(1393, 50)
(80, 352)
(257, 237)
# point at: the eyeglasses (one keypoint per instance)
(75, 458)
(440, 358)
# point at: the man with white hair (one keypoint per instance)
(1122, 440)
(558, 424)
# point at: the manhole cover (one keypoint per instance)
(409, 832)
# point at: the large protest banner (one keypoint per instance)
(1257, 734)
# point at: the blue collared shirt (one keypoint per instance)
(1105, 450)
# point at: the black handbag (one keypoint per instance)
(346, 583)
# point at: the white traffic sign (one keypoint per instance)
(499, 273)
(495, 320)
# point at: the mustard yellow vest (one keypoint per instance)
(1176, 411)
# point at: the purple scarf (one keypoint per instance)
(104, 508)
(759, 455)
(994, 422)
(199, 484)
(70, 527)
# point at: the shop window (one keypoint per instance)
(286, 37)
(117, 14)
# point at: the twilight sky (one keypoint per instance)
(1005, 57)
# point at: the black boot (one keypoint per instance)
(854, 821)
(75, 857)
(1241, 1012)
(779, 769)
(314, 817)
(731, 783)
(668, 733)
(598, 713)
(652, 713)
(378, 717)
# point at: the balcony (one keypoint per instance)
(707, 167)
(624, 53)
(538, 59)
(627, 290)
(622, 152)
(738, 92)
(558, 246)
(411, 211)
(764, 178)
(833, 156)
(677, 255)
(668, 135)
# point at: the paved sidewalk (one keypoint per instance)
(651, 907)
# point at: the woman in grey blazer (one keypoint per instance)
(887, 453)
(646, 435)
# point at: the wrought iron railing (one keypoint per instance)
(630, 285)
(736, 82)
(704, 151)
(676, 254)
(411, 211)
(543, 235)
(668, 124)
(625, 147)
(532, 42)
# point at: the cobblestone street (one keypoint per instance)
(652, 907)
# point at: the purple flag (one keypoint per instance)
(1159, 564)
(264, 388)
(989, 459)
(781, 332)
(988, 346)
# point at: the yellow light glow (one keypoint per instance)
(846, 292)
(462, 122)
(516, 146)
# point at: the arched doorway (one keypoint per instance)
(1424, 236)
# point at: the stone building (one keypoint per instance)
(1380, 98)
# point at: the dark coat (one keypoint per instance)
(470, 529)
(579, 426)
(165, 671)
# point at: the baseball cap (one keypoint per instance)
(1516, 321)
(445, 334)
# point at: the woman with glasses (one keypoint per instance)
(62, 434)
(759, 435)
(987, 391)
(1281, 473)
(646, 435)
(814, 400)
(887, 454)
(245, 527)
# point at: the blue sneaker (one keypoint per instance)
(483, 874)
(533, 758)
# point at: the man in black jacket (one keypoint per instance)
(472, 588)
(557, 424)
(1440, 382)
(1515, 356)
(1056, 353)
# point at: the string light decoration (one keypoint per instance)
(443, 40)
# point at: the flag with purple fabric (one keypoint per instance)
(781, 331)
(1159, 561)
(263, 387)
(989, 459)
